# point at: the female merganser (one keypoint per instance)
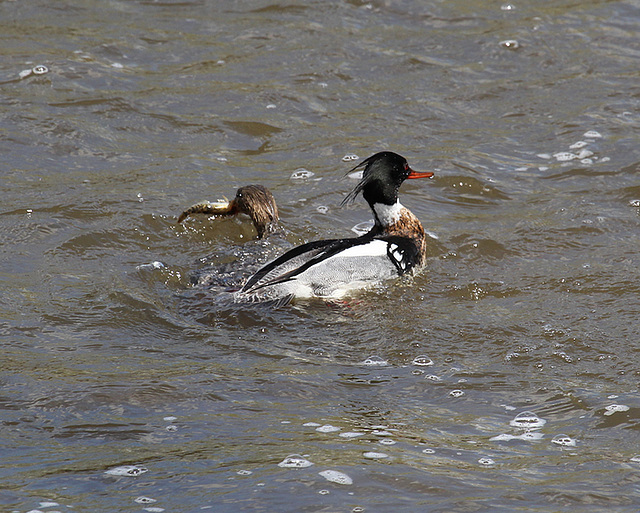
(254, 200)
(330, 268)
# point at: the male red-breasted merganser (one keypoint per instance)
(254, 200)
(330, 268)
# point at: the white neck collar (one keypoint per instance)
(387, 215)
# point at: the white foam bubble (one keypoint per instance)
(510, 44)
(144, 500)
(456, 393)
(422, 360)
(328, 428)
(375, 455)
(350, 157)
(375, 360)
(564, 440)
(322, 209)
(577, 145)
(156, 264)
(564, 156)
(387, 441)
(527, 420)
(295, 461)
(302, 174)
(592, 134)
(335, 476)
(381, 432)
(351, 434)
(127, 470)
(486, 461)
(311, 424)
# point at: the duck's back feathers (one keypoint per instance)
(331, 268)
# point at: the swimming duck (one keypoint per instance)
(254, 200)
(331, 268)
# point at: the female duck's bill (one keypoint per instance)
(254, 200)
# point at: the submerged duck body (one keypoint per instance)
(254, 200)
(331, 268)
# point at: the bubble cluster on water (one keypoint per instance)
(295, 461)
(350, 157)
(456, 393)
(615, 408)
(322, 209)
(335, 476)
(39, 69)
(244, 472)
(302, 174)
(127, 470)
(486, 461)
(579, 151)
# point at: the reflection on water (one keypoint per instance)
(505, 366)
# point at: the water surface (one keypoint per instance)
(504, 377)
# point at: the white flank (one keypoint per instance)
(373, 248)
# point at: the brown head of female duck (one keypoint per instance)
(254, 200)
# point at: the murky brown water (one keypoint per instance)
(528, 114)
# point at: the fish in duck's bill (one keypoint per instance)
(254, 200)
